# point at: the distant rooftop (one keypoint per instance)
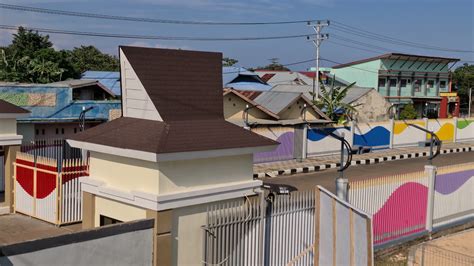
(400, 56)
(110, 79)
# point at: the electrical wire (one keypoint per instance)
(289, 64)
(335, 36)
(331, 61)
(388, 39)
(152, 37)
(140, 19)
(353, 47)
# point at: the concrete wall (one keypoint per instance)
(234, 108)
(196, 174)
(365, 74)
(7, 126)
(125, 173)
(116, 210)
(372, 107)
(121, 244)
(294, 112)
(27, 130)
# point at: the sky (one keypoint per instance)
(441, 23)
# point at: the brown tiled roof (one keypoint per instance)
(267, 77)
(8, 108)
(183, 85)
(168, 137)
(186, 89)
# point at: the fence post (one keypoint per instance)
(455, 121)
(350, 138)
(430, 170)
(392, 127)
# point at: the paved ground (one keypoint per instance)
(15, 228)
(360, 172)
(456, 249)
(331, 161)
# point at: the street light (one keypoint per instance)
(82, 117)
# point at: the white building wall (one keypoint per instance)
(135, 101)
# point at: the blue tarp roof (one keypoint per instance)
(110, 79)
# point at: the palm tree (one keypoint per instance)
(331, 102)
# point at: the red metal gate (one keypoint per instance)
(45, 192)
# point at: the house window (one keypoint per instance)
(403, 83)
(37, 131)
(76, 95)
(104, 220)
(382, 82)
(62, 131)
(442, 84)
(393, 82)
(417, 85)
(430, 84)
(57, 131)
(75, 130)
(42, 131)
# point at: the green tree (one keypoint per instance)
(274, 65)
(227, 61)
(31, 58)
(463, 79)
(331, 102)
(90, 58)
(408, 112)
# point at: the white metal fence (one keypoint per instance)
(297, 229)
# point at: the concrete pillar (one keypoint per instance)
(391, 127)
(455, 122)
(300, 142)
(350, 137)
(162, 239)
(430, 171)
(88, 210)
(9, 159)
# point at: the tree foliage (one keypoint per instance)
(408, 112)
(331, 102)
(463, 79)
(31, 58)
(274, 65)
(227, 61)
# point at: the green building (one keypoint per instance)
(423, 81)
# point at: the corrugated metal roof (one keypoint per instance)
(240, 78)
(353, 94)
(276, 101)
(285, 77)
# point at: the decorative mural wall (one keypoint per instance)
(465, 129)
(404, 135)
(376, 135)
(454, 189)
(285, 151)
(397, 203)
(443, 128)
(320, 143)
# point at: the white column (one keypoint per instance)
(391, 128)
(350, 138)
(455, 121)
(430, 170)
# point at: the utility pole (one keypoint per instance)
(317, 26)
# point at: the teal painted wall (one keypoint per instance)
(364, 74)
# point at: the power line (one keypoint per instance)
(353, 47)
(152, 37)
(331, 61)
(140, 19)
(360, 43)
(289, 64)
(384, 38)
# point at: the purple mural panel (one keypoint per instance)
(284, 151)
(448, 183)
